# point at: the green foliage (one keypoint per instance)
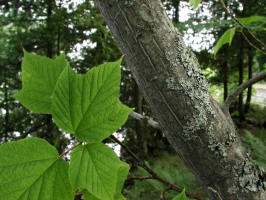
(227, 37)
(39, 76)
(257, 115)
(257, 145)
(31, 169)
(87, 106)
(194, 3)
(169, 168)
(181, 196)
(249, 20)
(88, 196)
(96, 168)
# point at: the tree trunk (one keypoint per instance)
(225, 79)
(6, 136)
(249, 93)
(49, 44)
(168, 74)
(176, 4)
(240, 81)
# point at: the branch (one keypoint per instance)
(140, 117)
(163, 193)
(68, 150)
(251, 44)
(151, 172)
(215, 192)
(237, 21)
(240, 89)
(139, 178)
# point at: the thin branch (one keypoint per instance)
(68, 150)
(251, 44)
(163, 193)
(240, 89)
(215, 192)
(140, 117)
(139, 178)
(151, 172)
(241, 24)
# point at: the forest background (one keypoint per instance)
(49, 27)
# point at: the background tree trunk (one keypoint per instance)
(240, 81)
(6, 110)
(225, 79)
(249, 93)
(169, 76)
(49, 27)
(139, 124)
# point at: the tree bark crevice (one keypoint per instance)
(168, 74)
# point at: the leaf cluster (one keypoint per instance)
(84, 105)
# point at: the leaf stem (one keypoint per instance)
(70, 149)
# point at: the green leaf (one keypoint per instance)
(227, 37)
(122, 175)
(39, 76)
(194, 3)
(88, 105)
(181, 196)
(88, 196)
(31, 169)
(249, 20)
(96, 168)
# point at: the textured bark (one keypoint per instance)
(169, 76)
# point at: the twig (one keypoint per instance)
(139, 178)
(151, 172)
(237, 21)
(215, 192)
(163, 193)
(251, 44)
(68, 150)
(240, 89)
(140, 117)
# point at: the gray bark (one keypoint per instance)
(168, 74)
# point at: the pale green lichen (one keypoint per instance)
(194, 86)
(220, 147)
(248, 176)
(171, 83)
(197, 122)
